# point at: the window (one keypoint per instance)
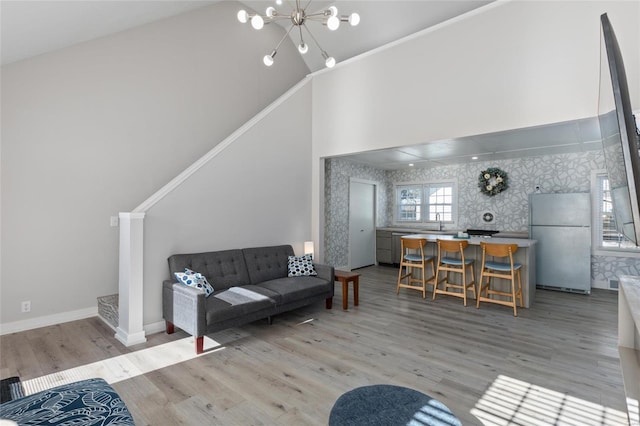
(409, 203)
(607, 233)
(425, 202)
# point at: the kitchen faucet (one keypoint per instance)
(440, 224)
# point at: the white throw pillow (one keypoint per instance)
(301, 266)
(195, 280)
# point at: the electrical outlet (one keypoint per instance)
(26, 306)
(537, 188)
(114, 221)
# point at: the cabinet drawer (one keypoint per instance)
(383, 243)
(383, 256)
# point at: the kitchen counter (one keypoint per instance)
(411, 230)
(526, 255)
(475, 241)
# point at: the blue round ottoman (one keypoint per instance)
(390, 405)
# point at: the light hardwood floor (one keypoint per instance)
(557, 363)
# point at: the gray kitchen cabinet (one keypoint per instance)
(384, 247)
(396, 245)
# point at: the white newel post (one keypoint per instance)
(130, 325)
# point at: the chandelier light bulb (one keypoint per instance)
(303, 47)
(334, 11)
(333, 23)
(279, 2)
(257, 22)
(268, 59)
(354, 19)
(243, 16)
(330, 62)
(271, 11)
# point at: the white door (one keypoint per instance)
(362, 229)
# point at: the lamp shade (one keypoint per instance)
(308, 247)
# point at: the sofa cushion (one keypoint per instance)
(267, 263)
(223, 269)
(195, 280)
(236, 302)
(301, 266)
(292, 289)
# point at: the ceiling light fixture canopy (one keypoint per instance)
(299, 18)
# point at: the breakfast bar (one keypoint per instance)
(526, 255)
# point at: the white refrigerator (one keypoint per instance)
(561, 225)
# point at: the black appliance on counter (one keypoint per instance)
(480, 232)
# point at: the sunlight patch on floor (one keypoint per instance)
(634, 411)
(123, 367)
(509, 401)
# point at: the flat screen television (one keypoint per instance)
(620, 137)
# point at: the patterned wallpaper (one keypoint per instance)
(336, 205)
(554, 173)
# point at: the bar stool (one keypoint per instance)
(412, 260)
(451, 259)
(508, 271)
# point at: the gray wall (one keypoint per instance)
(96, 128)
(509, 65)
(254, 193)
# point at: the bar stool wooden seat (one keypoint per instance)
(508, 270)
(414, 259)
(451, 259)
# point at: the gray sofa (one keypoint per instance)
(250, 284)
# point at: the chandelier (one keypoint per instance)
(299, 18)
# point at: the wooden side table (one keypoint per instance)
(345, 277)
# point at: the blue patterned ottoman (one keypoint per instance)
(88, 402)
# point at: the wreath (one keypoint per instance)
(493, 181)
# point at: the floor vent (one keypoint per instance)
(613, 284)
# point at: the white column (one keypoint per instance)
(130, 329)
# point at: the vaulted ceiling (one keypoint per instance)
(31, 28)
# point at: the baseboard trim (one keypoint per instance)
(47, 320)
(154, 327)
(604, 285)
(30, 324)
(130, 339)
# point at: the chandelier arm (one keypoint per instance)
(314, 39)
(316, 15)
(268, 19)
(283, 37)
